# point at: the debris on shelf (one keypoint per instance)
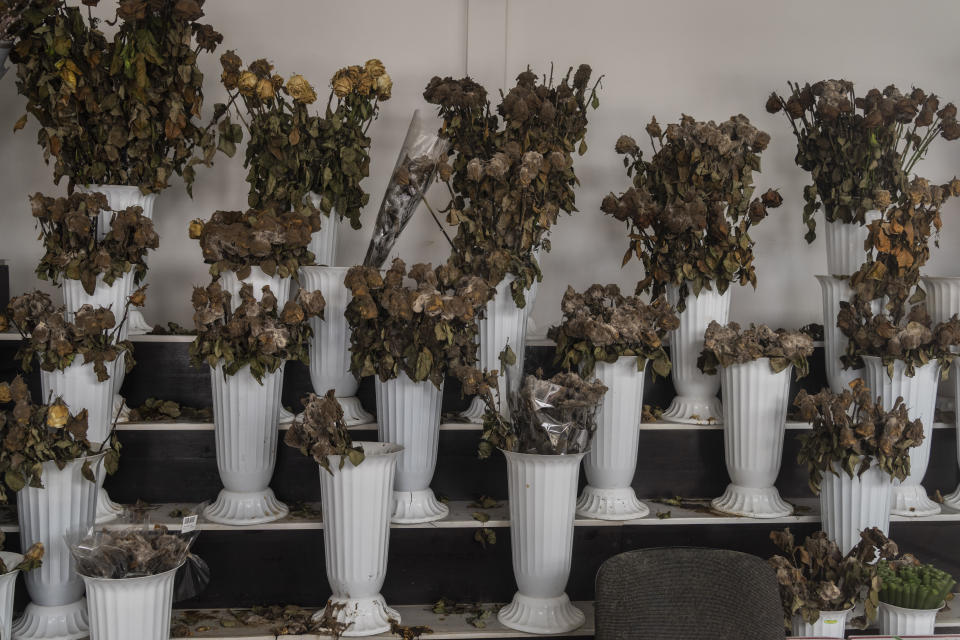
(699, 505)
(304, 511)
(157, 410)
(651, 413)
(408, 633)
(476, 614)
(485, 502)
(172, 329)
(483, 535)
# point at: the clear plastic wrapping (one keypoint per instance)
(556, 416)
(413, 173)
(142, 549)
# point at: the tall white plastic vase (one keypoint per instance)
(408, 414)
(835, 291)
(8, 585)
(67, 502)
(612, 460)
(504, 323)
(323, 243)
(696, 401)
(79, 388)
(919, 393)
(845, 245)
(257, 278)
(543, 493)
(127, 608)
(330, 344)
(245, 414)
(943, 302)
(120, 197)
(850, 505)
(356, 537)
(755, 403)
(953, 500)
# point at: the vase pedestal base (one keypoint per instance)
(415, 507)
(610, 504)
(62, 622)
(361, 616)
(952, 500)
(107, 509)
(255, 507)
(353, 411)
(911, 500)
(541, 615)
(752, 502)
(690, 410)
(474, 413)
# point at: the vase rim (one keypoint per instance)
(133, 579)
(943, 603)
(529, 456)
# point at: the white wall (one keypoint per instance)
(659, 57)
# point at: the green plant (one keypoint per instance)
(34, 434)
(56, 342)
(68, 228)
(237, 241)
(816, 576)
(123, 111)
(851, 433)
(512, 171)
(602, 325)
(907, 583)
(292, 153)
(860, 152)
(256, 332)
(425, 331)
(728, 345)
(322, 433)
(689, 211)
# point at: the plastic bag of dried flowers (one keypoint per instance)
(143, 549)
(556, 416)
(412, 174)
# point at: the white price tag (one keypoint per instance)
(189, 524)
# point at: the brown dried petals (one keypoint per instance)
(728, 345)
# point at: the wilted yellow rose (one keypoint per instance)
(196, 228)
(138, 298)
(365, 84)
(384, 86)
(300, 90)
(5, 395)
(248, 83)
(265, 89)
(57, 416)
(375, 68)
(342, 83)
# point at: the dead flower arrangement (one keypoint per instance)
(860, 151)
(729, 345)
(422, 322)
(320, 432)
(851, 432)
(57, 342)
(73, 250)
(125, 110)
(276, 242)
(293, 155)
(815, 576)
(258, 333)
(602, 325)
(691, 206)
(512, 169)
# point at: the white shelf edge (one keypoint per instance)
(461, 517)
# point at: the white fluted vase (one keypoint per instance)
(113, 296)
(850, 505)
(900, 621)
(919, 394)
(503, 323)
(120, 197)
(612, 460)
(835, 291)
(845, 245)
(80, 389)
(245, 416)
(543, 493)
(357, 502)
(67, 502)
(830, 624)
(953, 500)
(408, 414)
(8, 585)
(943, 302)
(696, 401)
(330, 344)
(126, 608)
(323, 243)
(755, 403)
(279, 286)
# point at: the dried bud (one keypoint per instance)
(247, 83)
(300, 90)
